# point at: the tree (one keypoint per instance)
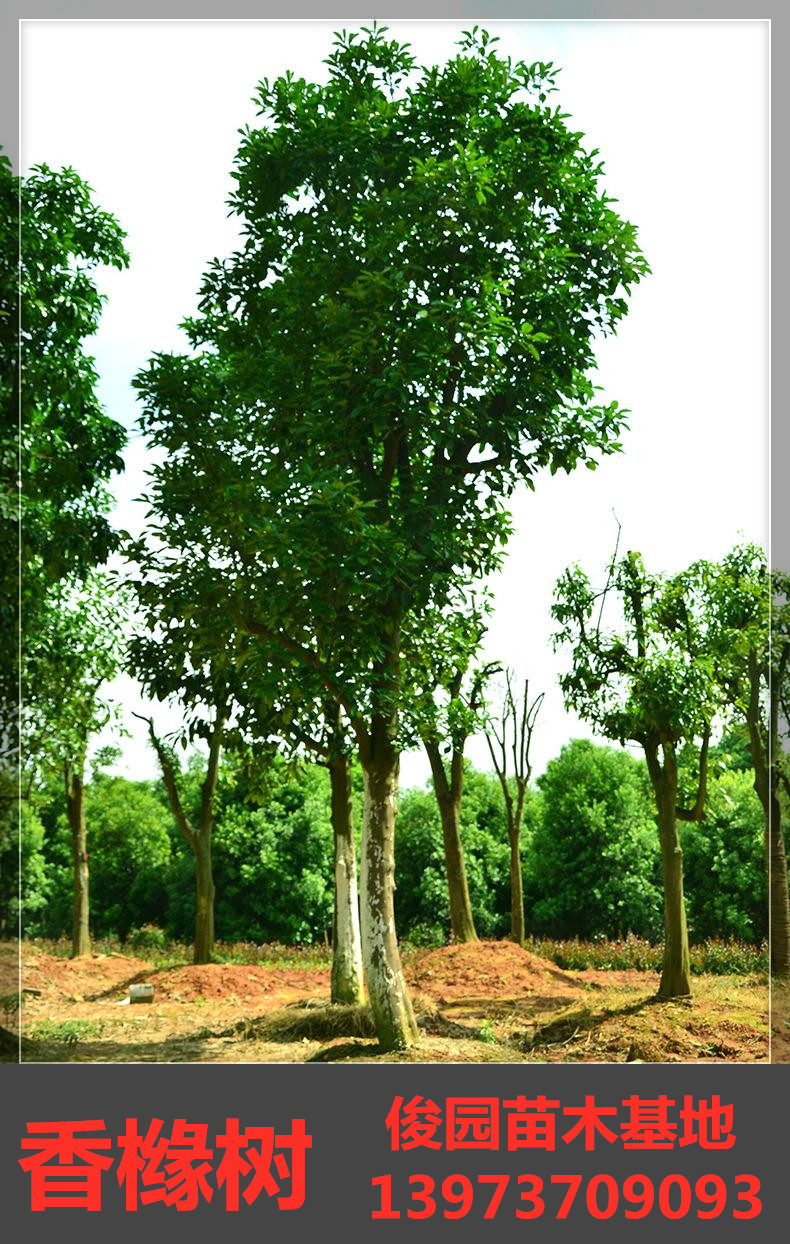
(422, 903)
(653, 682)
(750, 612)
(448, 705)
(724, 861)
(405, 334)
(181, 655)
(593, 860)
(55, 434)
(197, 832)
(168, 656)
(57, 446)
(275, 859)
(75, 652)
(513, 737)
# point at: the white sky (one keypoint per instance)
(148, 114)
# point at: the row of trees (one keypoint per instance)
(590, 861)
(405, 335)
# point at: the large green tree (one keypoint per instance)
(406, 332)
(649, 677)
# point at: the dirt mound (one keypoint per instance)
(235, 982)
(78, 979)
(486, 970)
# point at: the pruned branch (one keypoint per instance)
(169, 779)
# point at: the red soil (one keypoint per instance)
(487, 970)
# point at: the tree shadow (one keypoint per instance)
(585, 1020)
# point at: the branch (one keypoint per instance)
(609, 577)
(168, 777)
(312, 659)
(209, 787)
(437, 767)
(698, 811)
(474, 468)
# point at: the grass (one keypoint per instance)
(711, 958)
(714, 957)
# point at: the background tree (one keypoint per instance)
(183, 654)
(422, 903)
(750, 613)
(724, 863)
(68, 446)
(404, 335)
(55, 439)
(593, 867)
(77, 648)
(169, 656)
(652, 681)
(448, 703)
(509, 742)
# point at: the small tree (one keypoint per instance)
(654, 682)
(513, 738)
(447, 708)
(76, 649)
(197, 832)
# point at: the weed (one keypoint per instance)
(69, 1031)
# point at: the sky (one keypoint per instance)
(149, 113)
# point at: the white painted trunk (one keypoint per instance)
(389, 996)
(348, 981)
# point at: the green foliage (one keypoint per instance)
(68, 445)
(23, 831)
(592, 867)
(449, 229)
(74, 649)
(588, 827)
(724, 864)
(653, 677)
(147, 937)
(69, 1031)
(273, 864)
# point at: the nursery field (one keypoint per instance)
(486, 1002)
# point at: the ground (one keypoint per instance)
(489, 1002)
(780, 1023)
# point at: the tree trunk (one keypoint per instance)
(776, 863)
(75, 803)
(461, 918)
(517, 930)
(766, 784)
(449, 800)
(778, 894)
(348, 982)
(204, 898)
(389, 997)
(676, 974)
